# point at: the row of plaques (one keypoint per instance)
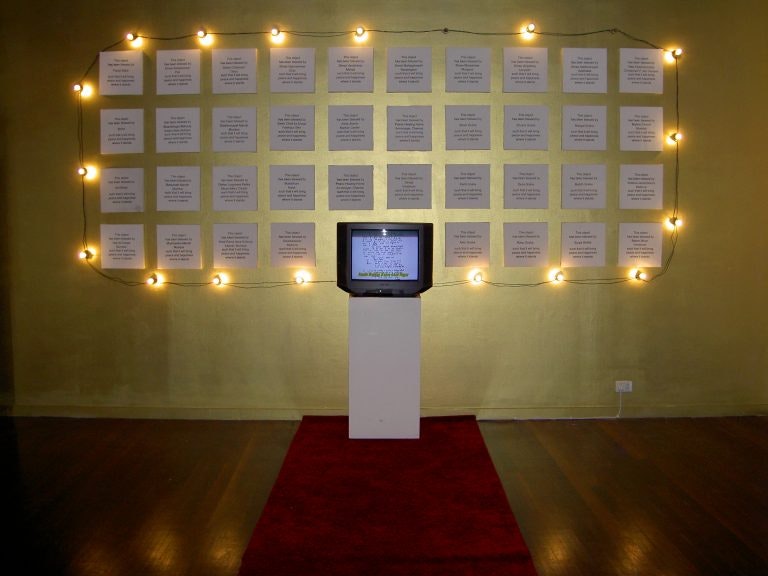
(467, 244)
(409, 69)
(409, 186)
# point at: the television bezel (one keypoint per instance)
(380, 287)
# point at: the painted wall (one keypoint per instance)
(694, 342)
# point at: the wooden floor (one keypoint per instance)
(592, 497)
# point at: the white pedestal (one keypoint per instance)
(384, 367)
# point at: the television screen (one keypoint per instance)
(385, 255)
(384, 258)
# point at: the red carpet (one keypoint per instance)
(433, 506)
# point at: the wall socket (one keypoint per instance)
(623, 385)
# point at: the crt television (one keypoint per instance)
(384, 258)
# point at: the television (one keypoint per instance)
(384, 258)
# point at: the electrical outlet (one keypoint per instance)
(623, 385)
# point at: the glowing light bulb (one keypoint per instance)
(220, 279)
(155, 279)
(90, 172)
(86, 254)
(301, 277)
(361, 34)
(134, 39)
(528, 31)
(556, 276)
(673, 54)
(82, 171)
(204, 38)
(77, 87)
(637, 274)
(86, 91)
(673, 222)
(277, 35)
(674, 137)
(476, 277)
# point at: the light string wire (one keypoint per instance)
(450, 283)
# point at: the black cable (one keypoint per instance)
(321, 34)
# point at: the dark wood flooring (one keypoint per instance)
(592, 497)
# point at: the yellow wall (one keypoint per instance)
(694, 342)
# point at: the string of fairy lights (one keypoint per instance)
(277, 36)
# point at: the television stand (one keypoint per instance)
(384, 367)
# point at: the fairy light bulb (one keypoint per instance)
(672, 55)
(86, 254)
(134, 39)
(556, 276)
(204, 38)
(220, 280)
(86, 91)
(361, 34)
(674, 137)
(77, 87)
(155, 279)
(528, 31)
(301, 277)
(82, 171)
(673, 222)
(637, 274)
(476, 277)
(277, 35)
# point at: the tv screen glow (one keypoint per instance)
(384, 258)
(385, 255)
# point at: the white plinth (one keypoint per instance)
(384, 367)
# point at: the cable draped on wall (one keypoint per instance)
(81, 89)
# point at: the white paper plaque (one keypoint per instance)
(467, 69)
(585, 70)
(292, 245)
(641, 186)
(642, 70)
(526, 244)
(178, 188)
(409, 70)
(467, 127)
(641, 128)
(350, 127)
(582, 244)
(467, 244)
(234, 71)
(178, 71)
(121, 72)
(525, 70)
(468, 186)
(235, 188)
(350, 187)
(122, 131)
(292, 128)
(122, 246)
(234, 129)
(409, 186)
(584, 128)
(292, 187)
(350, 69)
(235, 245)
(292, 70)
(583, 186)
(526, 186)
(122, 190)
(178, 246)
(409, 128)
(177, 129)
(640, 245)
(526, 128)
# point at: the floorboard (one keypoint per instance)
(592, 497)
